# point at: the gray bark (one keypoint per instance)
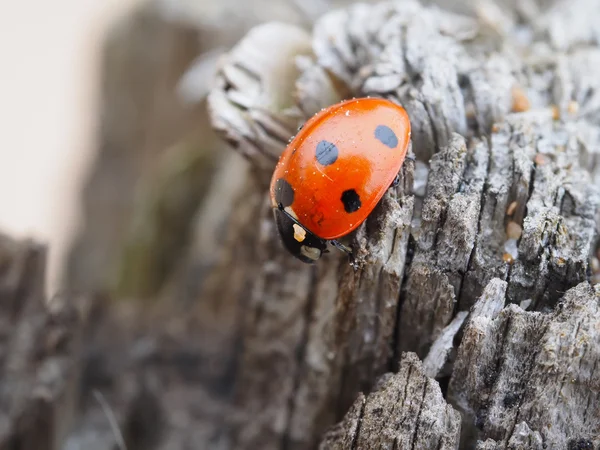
(481, 263)
(39, 352)
(503, 188)
(405, 410)
(530, 377)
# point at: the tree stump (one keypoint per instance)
(472, 316)
(480, 263)
(39, 352)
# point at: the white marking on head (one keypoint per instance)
(290, 211)
(299, 233)
(310, 252)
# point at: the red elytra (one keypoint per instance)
(334, 172)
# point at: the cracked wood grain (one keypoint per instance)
(530, 377)
(501, 198)
(323, 331)
(405, 410)
(480, 263)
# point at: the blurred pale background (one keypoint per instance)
(49, 71)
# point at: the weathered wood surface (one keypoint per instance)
(404, 410)
(481, 263)
(530, 378)
(504, 186)
(39, 352)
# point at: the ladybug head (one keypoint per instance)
(300, 242)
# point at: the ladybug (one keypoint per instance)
(334, 172)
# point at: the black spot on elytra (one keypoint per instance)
(580, 444)
(386, 136)
(327, 153)
(351, 200)
(284, 192)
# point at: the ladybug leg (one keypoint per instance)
(397, 179)
(341, 246)
(345, 249)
